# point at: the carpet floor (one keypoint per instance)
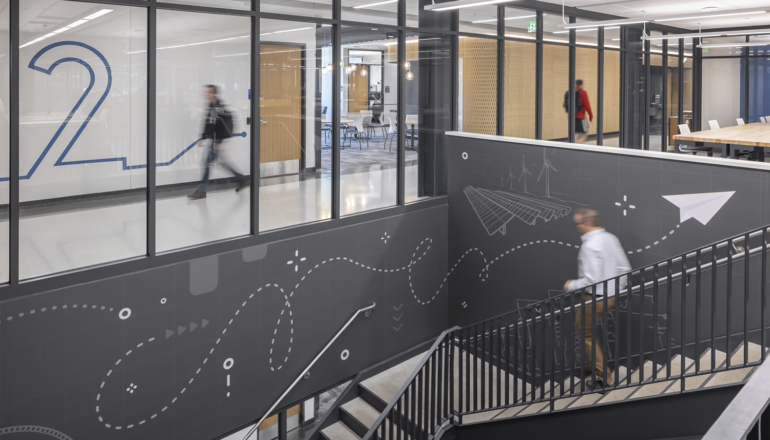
(378, 153)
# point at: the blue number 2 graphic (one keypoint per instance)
(61, 160)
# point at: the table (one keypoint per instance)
(756, 135)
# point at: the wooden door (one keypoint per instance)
(358, 90)
(280, 102)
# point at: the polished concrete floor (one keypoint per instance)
(57, 240)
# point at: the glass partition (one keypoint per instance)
(370, 11)
(202, 134)
(555, 85)
(296, 102)
(312, 8)
(82, 124)
(520, 23)
(611, 112)
(722, 91)
(479, 19)
(586, 70)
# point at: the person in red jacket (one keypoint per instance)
(581, 125)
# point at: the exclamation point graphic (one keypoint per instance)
(229, 362)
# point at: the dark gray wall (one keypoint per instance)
(531, 262)
(70, 363)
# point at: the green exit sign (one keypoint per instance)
(532, 27)
(705, 49)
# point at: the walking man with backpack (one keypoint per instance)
(582, 106)
(217, 126)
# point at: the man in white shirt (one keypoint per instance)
(601, 257)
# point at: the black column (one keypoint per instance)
(646, 96)
(571, 85)
(501, 70)
(664, 98)
(13, 157)
(746, 79)
(152, 40)
(539, 76)
(336, 104)
(600, 89)
(401, 117)
(256, 119)
(283, 428)
(697, 69)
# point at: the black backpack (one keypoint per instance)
(225, 116)
(578, 102)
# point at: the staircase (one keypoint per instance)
(687, 324)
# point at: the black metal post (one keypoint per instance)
(539, 76)
(501, 70)
(283, 428)
(336, 109)
(600, 89)
(571, 85)
(152, 44)
(400, 113)
(13, 157)
(647, 95)
(255, 121)
(664, 98)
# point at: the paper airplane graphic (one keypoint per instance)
(701, 207)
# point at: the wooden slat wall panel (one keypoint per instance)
(479, 64)
(273, 420)
(555, 84)
(358, 91)
(520, 79)
(280, 102)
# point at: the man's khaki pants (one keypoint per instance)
(589, 333)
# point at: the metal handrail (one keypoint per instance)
(366, 310)
(407, 382)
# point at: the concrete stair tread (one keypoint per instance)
(386, 384)
(362, 411)
(339, 431)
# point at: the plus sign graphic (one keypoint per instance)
(625, 200)
(299, 260)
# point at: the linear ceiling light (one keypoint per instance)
(708, 45)
(763, 31)
(375, 4)
(605, 23)
(710, 15)
(77, 23)
(678, 36)
(491, 20)
(458, 4)
(587, 30)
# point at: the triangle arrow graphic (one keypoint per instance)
(702, 207)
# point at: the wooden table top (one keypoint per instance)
(755, 135)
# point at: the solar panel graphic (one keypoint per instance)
(496, 208)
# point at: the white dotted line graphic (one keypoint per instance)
(522, 246)
(54, 308)
(657, 242)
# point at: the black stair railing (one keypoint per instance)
(694, 314)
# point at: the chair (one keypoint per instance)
(392, 131)
(762, 118)
(684, 148)
(356, 129)
(714, 125)
(371, 126)
(326, 124)
(740, 121)
(410, 120)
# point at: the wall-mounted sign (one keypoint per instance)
(387, 89)
(532, 27)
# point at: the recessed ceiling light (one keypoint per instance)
(710, 9)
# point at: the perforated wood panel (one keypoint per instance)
(479, 88)
(273, 420)
(520, 79)
(555, 84)
(611, 118)
(280, 102)
(586, 68)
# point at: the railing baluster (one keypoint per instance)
(414, 410)
(420, 407)
(468, 372)
(433, 392)
(763, 290)
(697, 310)
(655, 329)
(669, 305)
(683, 334)
(642, 286)
(729, 298)
(491, 394)
(593, 335)
(616, 320)
(448, 372)
(500, 348)
(543, 310)
(533, 339)
(407, 419)
(746, 284)
(552, 349)
(390, 427)
(629, 316)
(605, 332)
(440, 389)
(571, 353)
(713, 306)
(507, 348)
(475, 375)
(516, 359)
(400, 420)
(583, 354)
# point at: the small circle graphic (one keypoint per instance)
(345, 355)
(229, 362)
(465, 156)
(124, 314)
(163, 300)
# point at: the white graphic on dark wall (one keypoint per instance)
(496, 208)
(524, 173)
(702, 207)
(547, 166)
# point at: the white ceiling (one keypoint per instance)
(662, 8)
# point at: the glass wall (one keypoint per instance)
(520, 23)
(82, 122)
(202, 138)
(520, 86)
(586, 70)
(296, 103)
(479, 19)
(722, 91)
(368, 155)
(673, 86)
(611, 113)
(477, 78)
(555, 85)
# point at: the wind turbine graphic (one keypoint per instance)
(524, 172)
(546, 167)
(511, 178)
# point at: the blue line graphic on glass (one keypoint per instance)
(60, 161)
